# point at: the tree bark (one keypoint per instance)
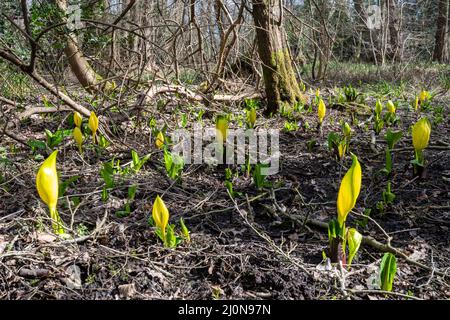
(279, 77)
(360, 19)
(394, 53)
(440, 47)
(84, 73)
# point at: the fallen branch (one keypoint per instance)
(8, 56)
(385, 293)
(181, 90)
(15, 137)
(28, 112)
(7, 101)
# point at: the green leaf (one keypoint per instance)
(48, 133)
(172, 240)
(135, 158)
(354, 239)
(168, 161)
(132, 192)
(107, 173)
(229, 186)
(102, 142)
(174, 164)
(258, 178)
(54, 139)
(123, 213)
(104, 194)
(159, 233)
(228, 174)
(36, 144)
(333, 140)
(184, 230)
(388, 196)
(388, 269)
(416, 162)
(334, 230)
(311, 144)
(138, 162)
(63, 186)
(392, 137)
(378, 125)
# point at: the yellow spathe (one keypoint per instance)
(349, 190)
(160, 214)
(93, 124)
(421, 131)
(322, 109)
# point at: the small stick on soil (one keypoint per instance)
(36, 273)
(267, 238)
(384, 292)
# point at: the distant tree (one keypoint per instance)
(394, 34)
(85, 74)
(441, 38)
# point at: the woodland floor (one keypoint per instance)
(226, 258)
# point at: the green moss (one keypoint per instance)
(289, 89)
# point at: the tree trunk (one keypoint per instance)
(361, 28)
(279, 77)
(366, 36)
(394, 53)
(440, 47)
(85, 74)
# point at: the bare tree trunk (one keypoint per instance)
(85, 74)
(323, 49)
(363, 31)
(279, 77)
(394, 53)
(440, 48)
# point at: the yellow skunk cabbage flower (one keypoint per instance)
(421, 134)
(423, 96)
(390, 106)
(317, 92)
(346, 130)
(93, 124)
(416, 104)
(159, 140)
(77, 119)
(160, 215)
(251, 117)
(378, 107)
(221, 129)
(321, 110)
(47, 187)
(78, 136)
(349, 190)
(342, 148)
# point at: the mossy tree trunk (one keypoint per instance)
(84, 73)
(279, 76)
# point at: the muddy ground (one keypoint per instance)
(255, 248)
